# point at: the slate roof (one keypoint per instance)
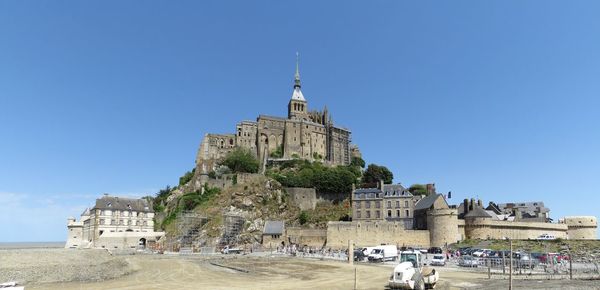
(273, 228)
(395, 190)
(478, 212)
(427, 201)
(122, 203)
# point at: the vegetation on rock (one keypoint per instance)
(418, 189)
(241, 160)
(303, 173)
(375, 172)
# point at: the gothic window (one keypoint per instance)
(406, 203)
(389, 204)
(377, 214)
(397, 203)
(368, 204)
(389, 213)
(398, 213)
(407, 213)
(368, 214)
(230, 141)
(378, 204)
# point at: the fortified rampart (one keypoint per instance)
(481, 228)
(581, 227)
(374, 233)
(443, 226)
(309, 237)
(304, 198)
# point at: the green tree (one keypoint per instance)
(357, 161)
(241, 160)
(374, 173)
(278, 153)
(186, 177)
(418, 189)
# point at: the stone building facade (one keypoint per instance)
(389, 202)
(304, 134)
(113, 222)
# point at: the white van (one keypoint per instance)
(546, 237)
(384, 253)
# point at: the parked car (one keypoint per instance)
(468, 261)
(435, 250)
(546, 237)
(525, 261)
(463, 251)
(481, 253)
(359, 255)
(438, 260)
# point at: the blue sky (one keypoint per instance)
(498, 100)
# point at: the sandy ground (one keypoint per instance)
(264, 272)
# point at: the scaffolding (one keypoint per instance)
(233, 227)
(189, 226)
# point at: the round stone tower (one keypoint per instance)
(443, 226)
(477, 224)
(581, 227)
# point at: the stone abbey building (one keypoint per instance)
(304, 134)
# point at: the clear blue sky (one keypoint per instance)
(492, 99)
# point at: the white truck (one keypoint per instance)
(383, 253)
(411, 274)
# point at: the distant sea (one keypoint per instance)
(32, 245)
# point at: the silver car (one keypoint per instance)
(438, 260)
(468, 261)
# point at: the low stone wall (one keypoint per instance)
(310, 237)
(517, 230)
(374, 233)
(304, 198)
(125, 240)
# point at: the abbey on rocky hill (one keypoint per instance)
(304, 134)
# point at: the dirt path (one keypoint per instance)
(162, 272)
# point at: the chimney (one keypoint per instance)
(472, 204)
(381, 184)
(480, 203)
(466, 206)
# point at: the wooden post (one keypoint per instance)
(503, 264)
(570, 265)
(355, 278)
(350, 252)
(510, 266)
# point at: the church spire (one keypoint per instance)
(297, 75)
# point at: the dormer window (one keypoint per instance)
(109, 204)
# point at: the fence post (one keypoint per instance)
(570, 265)
(503, 263)
(510, 267)
(489, 263)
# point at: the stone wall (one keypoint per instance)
(311, 237)
(443, 226)
(480, 228)
(304, 198)
(581, 227)
(374, 233)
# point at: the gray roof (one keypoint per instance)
(395, 190)
(367, 190)
(524, 206)
(478, 212)
(273, 228)
(122, 203)
(427, 201)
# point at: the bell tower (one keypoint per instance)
(297, 107)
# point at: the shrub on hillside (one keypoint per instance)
(241, 160)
